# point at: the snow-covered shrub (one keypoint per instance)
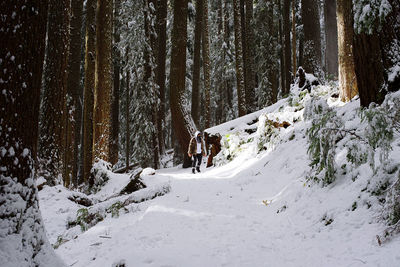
(356, 154)
(114, 209)
(60, 240)
(393, 202)
(378, 132)
(322, 137)
(87, 219)
(231, 146)
(266, 133)
(101, 174)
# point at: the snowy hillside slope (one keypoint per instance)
(260, 207)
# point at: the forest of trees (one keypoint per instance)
(127, 81)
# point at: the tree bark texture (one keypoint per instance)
(182, 122)
(74, 95)
(347, 76)
(90, 62)
(128, 101)
(162, 12)
(331, 35)
(294, 63)
(196, 63)
(301, 51)
(206, 65)
(52, 141)
(116, 85)
(287, 46)
(369, 68)
(281, 49)
(228, 87)
(148, 79)
(250, 55)
(244, 43)
(219, 112)
(312, 36)
(375, 56)
(239, 60)
(103, 81)
(272, 73)
(22, 53)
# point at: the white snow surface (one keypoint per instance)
(257, 210)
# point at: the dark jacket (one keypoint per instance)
(192, 150)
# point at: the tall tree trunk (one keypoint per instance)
(51, 141)
(301, 51)
(281, 49)
(206, 65)
(128, 100)
(374, 56)
(312, 37)
(244, 44)
(368, 68)
(148, 79)
(160, 69)
(347, 76)
(294, 64)
(22, 51)
(331, 37)
(239, 60)
(115, 92)
(196, 62)
(287, 46)
(250, 55)
(182, 122)
(74, 95)
(104, 83)
(228, 87)
(219, 113)
(90, 57)
(272, 72)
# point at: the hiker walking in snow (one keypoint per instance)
(196, 149)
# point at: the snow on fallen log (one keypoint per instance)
(88, 217)
(148, 194)
(130, 167)
(81, 199)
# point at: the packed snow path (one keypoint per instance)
(218, 218)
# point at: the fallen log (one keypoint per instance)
(81, 199)
(123, 169)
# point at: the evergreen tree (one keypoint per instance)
(74, 95)
(182, 122)
(287, 48)
(116, 85)
(347, 76)
(161, 28)
(22, 236)
(206, 65)
(90, 59)
(312, 37)
(103, 81)
(239, 60)
(53, 117)
(331, 37)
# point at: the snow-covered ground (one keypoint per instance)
(256, 210)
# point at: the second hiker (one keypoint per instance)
(196, 149)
